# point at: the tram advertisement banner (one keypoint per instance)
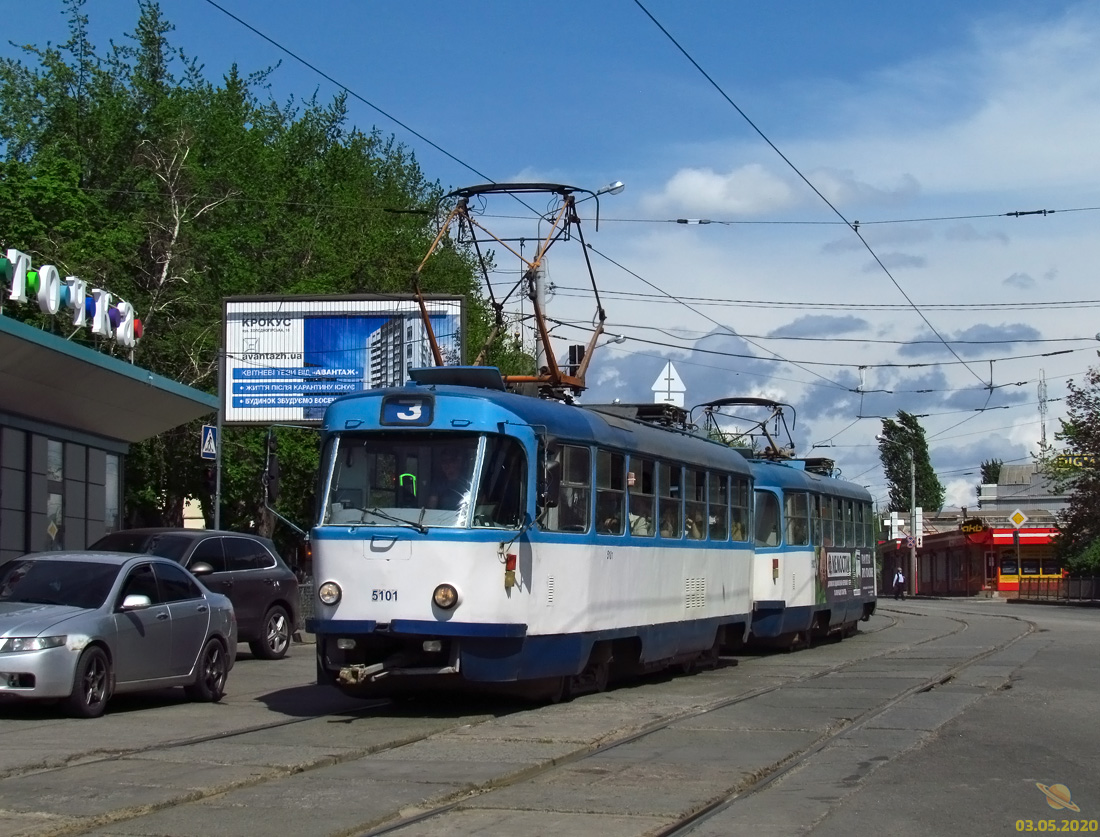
(844, 573)
(288, 357)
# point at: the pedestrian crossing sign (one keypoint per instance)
(208, 449)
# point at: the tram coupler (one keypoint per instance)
(361, 673)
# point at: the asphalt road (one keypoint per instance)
(940, 717)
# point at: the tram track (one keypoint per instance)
(444, 804)
(796, 760)
(766, 776)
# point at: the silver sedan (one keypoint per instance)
(83, 626)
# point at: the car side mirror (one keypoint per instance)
(136, 601)
(201, 568)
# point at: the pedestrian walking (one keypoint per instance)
(899, 584)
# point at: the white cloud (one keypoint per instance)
(703, 192)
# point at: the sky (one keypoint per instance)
(857, 163)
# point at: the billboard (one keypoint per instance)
(288, 357)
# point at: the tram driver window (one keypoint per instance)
(502, 489)
(350, 483)
(767, 519)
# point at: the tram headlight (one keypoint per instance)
(445, 596)
(329, 593)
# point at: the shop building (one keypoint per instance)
(68, 415)
(989, 550)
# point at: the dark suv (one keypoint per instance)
(246, 568)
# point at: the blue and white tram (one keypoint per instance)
(583, 542)
(814, 565)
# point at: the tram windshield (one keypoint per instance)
(455, 480)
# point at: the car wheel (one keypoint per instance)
(92, 684)
(275, 640)
(213, 669)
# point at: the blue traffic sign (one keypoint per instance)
(208, 447)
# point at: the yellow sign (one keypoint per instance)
(1074, 460)
(1017, 518)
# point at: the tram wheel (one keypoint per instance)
(561, 690)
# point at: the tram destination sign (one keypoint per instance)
(288, 357)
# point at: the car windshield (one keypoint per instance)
(401, 479)
(73, 583)
(164, 544)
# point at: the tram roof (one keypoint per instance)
(567, 422)
(789, 475)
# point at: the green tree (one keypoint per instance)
(899, 442)
(1078, 473)
(991, 471)
(132, 170)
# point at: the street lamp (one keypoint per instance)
(611, 188)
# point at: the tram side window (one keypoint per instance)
(849, 522)
(827, 521)
(797, 509)
(670, 500)
(815, 519)
(838, 523)
(575, 491)
(718, 506)
(610, 492)
(695, 504)
(863, 524)
(740, 508)
(767, 519)
(641, 483)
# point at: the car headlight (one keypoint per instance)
(445, 596)
(329, 592)
(30, 643)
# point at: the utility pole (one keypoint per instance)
(912, 524)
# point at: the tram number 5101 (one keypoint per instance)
(383, 595)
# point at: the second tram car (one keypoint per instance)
(814, 561)
(468, 535)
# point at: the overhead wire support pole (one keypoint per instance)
(912, 523)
